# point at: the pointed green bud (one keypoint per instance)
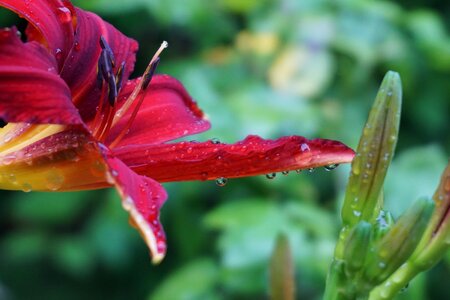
(436, 240)
(383, 224)
(391, 251)
(374, 154)
(282, 271)
(356, 247)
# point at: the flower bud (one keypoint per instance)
(356, 247)
(395, 247)
(374, 154)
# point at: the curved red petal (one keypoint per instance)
(142, 197)
(80, 67)
(30, 88)
(51, 23)
(252, 156)
(167, 113)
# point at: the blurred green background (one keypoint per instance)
(266, 67)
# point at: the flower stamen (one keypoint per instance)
(136, 94)
(105, 113)
(143, 83)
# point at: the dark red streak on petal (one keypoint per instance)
(51, 23)
(167, 113)
(31, 89)
(80, 67)
(252, 156)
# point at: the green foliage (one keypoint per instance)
(266, 67)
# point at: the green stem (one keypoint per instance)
(397, 281)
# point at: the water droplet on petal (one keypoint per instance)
(64, 14)
(271, 175)
(285, 173)
(54, 180)
(58, 53)
(26, 187)
(221, 181)
(304, 147)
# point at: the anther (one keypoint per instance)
(112, 90)
(105, 47)
(148, 77)
(119, 76)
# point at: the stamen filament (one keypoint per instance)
(96, 125)
(140, 86)
(124, 131)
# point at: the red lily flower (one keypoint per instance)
(73, 125)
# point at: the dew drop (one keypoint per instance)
(356, 213)
(221, 181)
(215, 141)
(271, 175)
(304, 147)
(298, 171)
(26, 187)
(311, 170)
(285, 173)
(64, 14)
(54, 180)
(389, 94)
(77, 46)
(58, 53)
(331, 167)
(382, 265)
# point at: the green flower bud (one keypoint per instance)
(356, 247)
(436, 240)
(374, 154)
(392, 250)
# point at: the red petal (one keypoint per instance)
(167, 113)
(51, 21)
(30, 88)
(252, 156)
(142, 197)
(80, 67)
